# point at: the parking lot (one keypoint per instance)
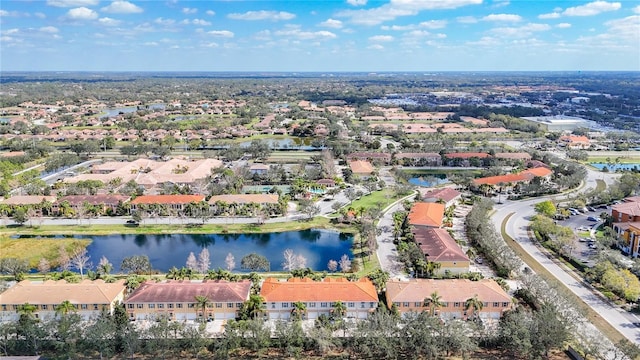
(586, 246)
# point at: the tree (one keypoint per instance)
(339, 309)
(434, 302)
(104, 266)
(20, 216)
(332, 265)
(310, 210)
(230, 262)
(255, 262)
(14, 267)
(345, 263)
(299, 310)
(293, 261)
(202, 302)
(65, 308)
(253, 307)
(192, 263)
(379, 279)
(546, 208)
(44, 266)
(80, 260)
(474, 304)
(138, 264)
(204, 261)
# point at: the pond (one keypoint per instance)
(112, 112)
(286, 144)
(430, 180)
(166, 251)
(614, 167)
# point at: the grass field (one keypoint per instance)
(35, 249)
(380, 199)
(624, 159)
(609, 331)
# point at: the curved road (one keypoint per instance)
(517, 226)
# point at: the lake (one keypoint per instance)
(430, 180)
(166, 251)
(614, 167)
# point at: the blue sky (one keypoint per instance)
(311, 35)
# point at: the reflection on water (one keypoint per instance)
(166, 251)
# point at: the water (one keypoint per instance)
(166, 251)
(614, 167)
(112, 112)
(430, 180)
(286, 144)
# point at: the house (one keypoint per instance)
(413, 295)
(361, 168)
(575, 142)
(27, 200)
(177, 299)
(245, 199)
(88, 297)
(628, 237)
(359, 297)
(440, 248)
(174, 202)
(466, 159)
(426, 214)
(626, 212)
(380, 157)
(446, 195)
(419, 159)
(105, 201)
(511, 179)
(258, 169)
(521, 156)
(328, 183)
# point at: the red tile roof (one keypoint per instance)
(525, 175)
(186, 291)
(466, 155)
(307, 290)
(438, 245)
(426, 214)
(167, 199)
(628, 208)
(245, 198)
(361, 167)
(446, 194)
(450, 290)
(103, 199)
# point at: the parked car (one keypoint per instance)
(593, 218)
(583, 239)
(593, 246)
(591, 208)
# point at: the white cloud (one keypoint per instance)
(10, 31)
(466, 20)
(563, 25)
(49, 29)
(520, 31)
(397, 8)
(503, 17)
(4, 13)
(625, 28)
(82, 13)
(433, 24)
(122, 7)
(210, 12)
(636, 9)
(485, 41)
(500, 3)
(151, 43)
(553, 15)
(72, 3)
(357, 2)
(107, 21)
(332, 23)
(381, 38)
(200, 22)
(418, 33)
(592, 8)
(295, 32)
(39, 15)
(189, 11)
(262, 15)
(210, 45)
(164, 22)
(221, 33)
(375, 47)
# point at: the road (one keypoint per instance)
(516, 227)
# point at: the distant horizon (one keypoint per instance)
(421, 72)
(319, 36)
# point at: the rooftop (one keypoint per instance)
(450, 290)
(438, 245)
(55, 292)
(186, 291)
(307, 290)
(426, 214)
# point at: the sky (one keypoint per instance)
(319, 36)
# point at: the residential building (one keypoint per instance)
(419, 159)
(88, 297)
(361, 168)
(413, 295)
(628, 237)
(174, 202)
(381, 157)
(177, 299)
(575, 142)
(105, 201)
(426, 214)
(508, 180)
(626, 212)
(27, 200)
(359, 297)
(523, 156)
(446, 195)
(259, 169)
(440, 248)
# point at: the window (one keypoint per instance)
(351, 304)
(495, 304)
(362, 305)
(170, 306)
(4, 307)
(324, 304)
(230, 305)
(505, 304)
(405, 304)
(238, 305)
(456, 304)
(191, 305)
(95, 306)
(372, 305)
(152, 306)
(84, 306)
(444, 304)
(293, 305)
(44, 307)
(273, 305)
(160, 306)
(129, 306)
(179, 306)
(418, 304)
(312, 304)
(218, 305)
(139, 306)
(285, 305)
(485, 304)
(397, 304)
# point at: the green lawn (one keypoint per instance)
(626, 159)
(35, 249)
(380, 199)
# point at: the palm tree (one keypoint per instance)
(174, 273)
(253, 307)
(202, 302)
(434, 301)
(474, 304)
(299, 310)
(339, 309)
(27, 310)
(65, 307)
